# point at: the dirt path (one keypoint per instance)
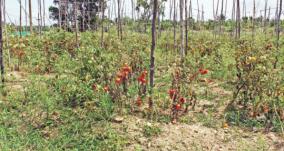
(195, 137)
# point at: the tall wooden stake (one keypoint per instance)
(152, 55)
(76, 23)
(186, 27)
(21, 29)
(1, 48)
(238, 22)
(103, 14)
(31, 16)
(181, 3)
(278, 32)
(253, 20)
(175, 22)
(43, 3)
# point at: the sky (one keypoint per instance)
(13, 13)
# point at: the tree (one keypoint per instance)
(119, 23)
(238, 20)
(278, 31)
(146, 14)
(62, 13)
(186, 27)
(1, 47)
(153, 46)
(181, 29)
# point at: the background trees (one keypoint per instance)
(88, 11)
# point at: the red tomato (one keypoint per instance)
(177, 107)
(94, 86)
(172, 92)
(182, 100)
(139, 101)
(106, 89)
(118, 80)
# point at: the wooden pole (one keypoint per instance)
(59, 14)
(186, 27)
(265, 17)
(238, 22)
(26, 16)
(30, 15)
(6, 32)
(253, 20)
(278, 32)
(182, 54)
(76, 23)
(103, 14)
(43, 3)
(119, 29)
(153, 46)
(21, 30)
(175, 22)
(1, 48)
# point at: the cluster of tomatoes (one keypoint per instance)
(203, 71)
(94, 87)
(179, 101)
(142, 78)
(200, 71)
(123, 74)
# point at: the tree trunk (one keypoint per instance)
(181, 3)
(265, 17)
(233, 17)
(1, 48)
(89, 15)
(278, 32)
(198, 14)
(6, 32)
(76, 23)
(244, 9)
(26, 16)
(238, 22)
(39, 17)
(103, 14)
(43, 3)
(221, 16)
(253, 20)
(276, 15)
(226, 8)
(175, 22)
(21, 29)
(217, 9)
(132, 9)
(186, 27)
(59, 14)
(119, 24)
(153, 46)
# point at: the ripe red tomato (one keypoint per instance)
(139, 101)
(203, 71)
(177, 107)
(106, 89)
(118, 80)
(94, 86)
(172, 92)
(182, 100)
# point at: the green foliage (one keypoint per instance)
(151, 130)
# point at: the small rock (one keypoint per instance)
(245, 135)
(118, 119)
(255, 130)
